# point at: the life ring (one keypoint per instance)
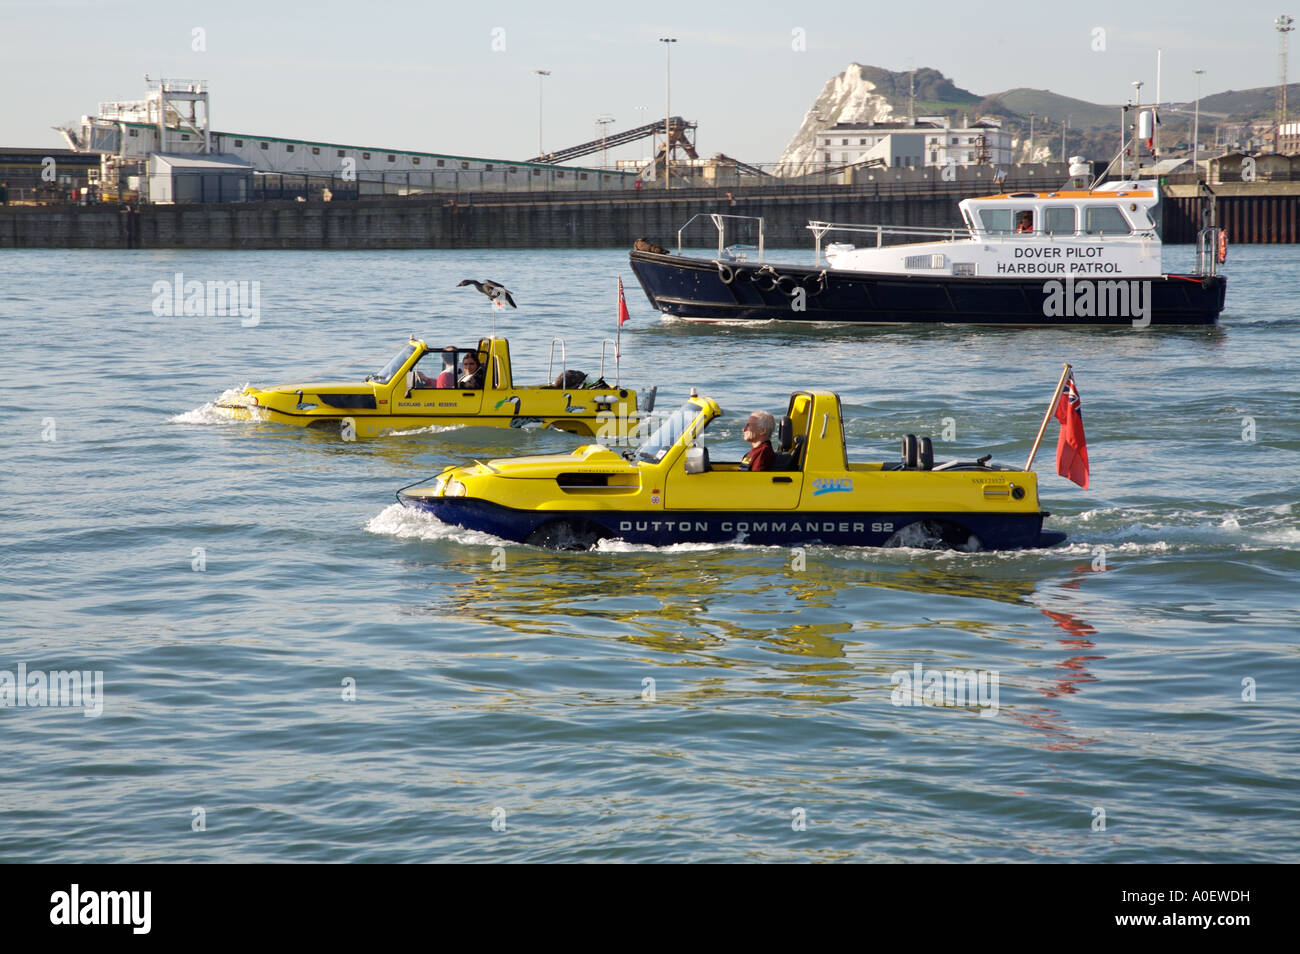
(726, 273)
(1223, 246)
(765, 278)
(815, 284)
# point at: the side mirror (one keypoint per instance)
(697, 460)
(410, 382)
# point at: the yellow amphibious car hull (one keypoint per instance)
(405, 401)
(573, 500)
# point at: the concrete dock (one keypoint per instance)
(1253, 213)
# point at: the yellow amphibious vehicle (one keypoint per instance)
(668, 491)
(423, 385)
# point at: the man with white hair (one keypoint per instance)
(758, 431)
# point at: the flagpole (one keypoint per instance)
(1051, 406)
(618, 338)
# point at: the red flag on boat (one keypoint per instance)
(1071, 447)
(622, 304)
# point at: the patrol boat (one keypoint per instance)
(423, 385)
(1089, 256)
(669, 491)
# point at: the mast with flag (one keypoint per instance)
(1071, 446)
(618, 337)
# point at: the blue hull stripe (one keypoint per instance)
(780, 528)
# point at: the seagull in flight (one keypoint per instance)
(499, 294)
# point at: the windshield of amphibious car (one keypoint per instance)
(666, 434)
(392, 367)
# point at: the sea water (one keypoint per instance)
(292, 667)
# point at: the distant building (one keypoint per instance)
(1239, 167)
(206, 178)
(929, 141)
(44, 173)
(1287, 139)
(172, 121)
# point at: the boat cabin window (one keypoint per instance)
(1003, 220)
(1107, 220)
(395, 365)
(1059, 220)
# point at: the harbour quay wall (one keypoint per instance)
(1251, 212)
(558, 219)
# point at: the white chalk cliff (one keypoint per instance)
(846, 98)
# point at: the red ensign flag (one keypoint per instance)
(1071, 447)
(622, 304)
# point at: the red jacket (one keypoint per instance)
(758, 458)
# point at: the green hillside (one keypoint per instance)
(1250, 104)
(929, 86)
(1043, 102)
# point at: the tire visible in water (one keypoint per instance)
(567, 535)
(935, 535)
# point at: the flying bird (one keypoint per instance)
(497, 292)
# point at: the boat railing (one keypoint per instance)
(605, 343)
(909, 232)
(719, 221)
(564, 361)
(1207, 251)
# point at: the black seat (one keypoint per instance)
(925, 454)
(784, 434)
(789, 449)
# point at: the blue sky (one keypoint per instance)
(425, 75)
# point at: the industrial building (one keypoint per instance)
(43, 174)
(924, 141)
(172, 122)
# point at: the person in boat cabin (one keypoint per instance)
(1026, 222)
(758, 431)
(471, 372)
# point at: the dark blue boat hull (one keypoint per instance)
(698, 289)
(763, 528)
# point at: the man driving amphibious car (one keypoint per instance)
(758, 431)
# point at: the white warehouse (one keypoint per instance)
(172, 121)
(926, 141)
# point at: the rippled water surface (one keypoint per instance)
(517, 693)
